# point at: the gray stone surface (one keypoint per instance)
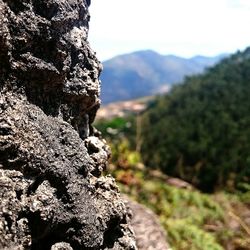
(149, 233)
(52, 193)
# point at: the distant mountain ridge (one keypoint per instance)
(144, 73)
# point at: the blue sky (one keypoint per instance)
(180, 27)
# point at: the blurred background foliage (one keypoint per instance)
(201, 130)
(187, 157)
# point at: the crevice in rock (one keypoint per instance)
(40, 232)
(113, 233)
(47, 52)
(19, 194)
(8, 220)
(10, 159)
(60, 184)
(45, 9)
(83, 172)
(16, 6)
(33, 187)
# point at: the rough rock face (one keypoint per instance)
(51, 189)
(149, 233)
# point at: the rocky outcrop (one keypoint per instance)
(149, 233)
(53, 194)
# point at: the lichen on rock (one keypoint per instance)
(53, 194)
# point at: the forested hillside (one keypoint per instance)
(200, 131)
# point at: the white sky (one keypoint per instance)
(181, 27)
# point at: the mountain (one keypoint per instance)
(201, 128)
(145, 73)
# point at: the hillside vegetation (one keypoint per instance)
(200, 131)
(192, 219)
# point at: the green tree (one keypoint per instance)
(200, 131)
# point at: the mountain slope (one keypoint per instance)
(201, 129)
(144, 73)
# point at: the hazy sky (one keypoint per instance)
(180, 27)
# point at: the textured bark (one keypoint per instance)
(51, 159)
